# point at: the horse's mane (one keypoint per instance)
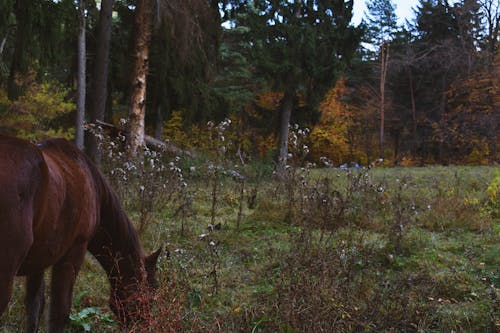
(114, 222)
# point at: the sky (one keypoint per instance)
(404, 10)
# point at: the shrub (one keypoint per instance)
(39, 113)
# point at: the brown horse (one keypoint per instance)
(54, 206)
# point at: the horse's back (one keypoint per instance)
(71, 206)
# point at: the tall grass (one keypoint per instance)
(318, 250)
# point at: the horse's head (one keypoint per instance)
(131, 298)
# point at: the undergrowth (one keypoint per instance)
(316, 250)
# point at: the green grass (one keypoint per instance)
(287, 269)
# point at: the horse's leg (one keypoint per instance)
(14, 245)
(34, 300)
(63, 279)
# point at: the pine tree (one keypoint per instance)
(298, 46)
(382, 22)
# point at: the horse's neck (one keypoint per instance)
(115, 243)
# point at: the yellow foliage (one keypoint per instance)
(478, 155)
(173, 130)
(37, 113)
(265, 145)
(271, 100)
(239, 133)
(329, 136)
(494, 187)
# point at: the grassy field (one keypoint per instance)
(322, 250)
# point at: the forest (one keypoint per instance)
(297, 172)
(425, 92)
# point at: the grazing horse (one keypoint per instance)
(54, 206)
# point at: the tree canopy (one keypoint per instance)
(267, 64)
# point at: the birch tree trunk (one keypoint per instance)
(80, 104)
(137, 110)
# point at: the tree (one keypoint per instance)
(81, 86)
(382, 27)
(7, 28)
(184, 42)
(298, 46)
(183, 62)
(143, 26)
(491, 10)
(100, 73)
(25, 34)
(474, 113)
(45, 34)
(443, 34)
(330, 136)
(382, 22)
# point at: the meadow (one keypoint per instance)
(372, 249)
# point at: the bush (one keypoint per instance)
(39, 113)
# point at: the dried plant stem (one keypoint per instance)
(240, 209)
(214, 196)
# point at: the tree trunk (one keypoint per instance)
(368, 150)
(442, 121)
(413, 113)
(286, 113)
(24, 35)
(4, 41)
(100, 74)
(137, 111)
(384, 60)
(80, 105)
(159, 123)
(397, 135)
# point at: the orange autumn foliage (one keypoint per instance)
(271, 100)
(329, 137)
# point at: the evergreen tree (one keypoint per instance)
(44, 42)
(298, 46)
(446, 37)
(184, 51)
(382, 22)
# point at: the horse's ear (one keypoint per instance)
(151, 260)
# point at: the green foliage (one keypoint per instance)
(295, 43)
(41, 112)
(183, 55)
(376, 249)
(235, 80)
(493, 190)
(382, 21)
(85, 318)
